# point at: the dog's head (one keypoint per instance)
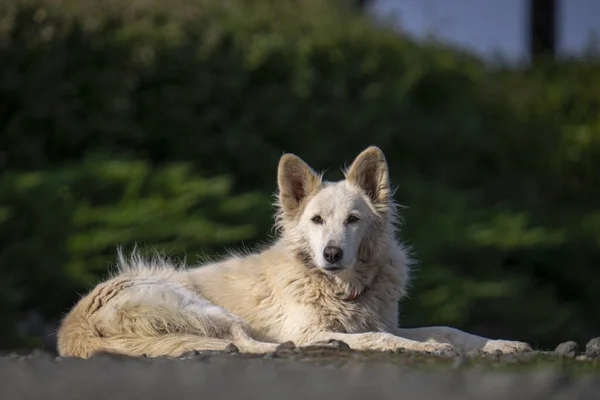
(335, 225)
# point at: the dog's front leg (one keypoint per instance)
(462, 341)
(379, 341)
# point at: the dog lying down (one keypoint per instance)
(335, 272)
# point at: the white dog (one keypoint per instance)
(336, 272)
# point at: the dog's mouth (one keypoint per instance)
(332, 268)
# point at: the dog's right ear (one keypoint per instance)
(296, 180)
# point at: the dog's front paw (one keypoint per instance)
(506, 347)
(441, 349)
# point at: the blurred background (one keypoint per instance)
(162, 122)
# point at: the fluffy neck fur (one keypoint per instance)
(299, 184)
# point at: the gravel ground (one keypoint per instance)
(332, 372)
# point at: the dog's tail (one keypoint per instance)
(80, 337)
(78, 340)
(84, 344)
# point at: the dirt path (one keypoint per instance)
(318, 373)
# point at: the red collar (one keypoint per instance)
(355, 294)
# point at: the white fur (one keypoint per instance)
(285, 292)
(335, 203)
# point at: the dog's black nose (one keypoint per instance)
(332, 254)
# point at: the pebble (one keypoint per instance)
(289, 345)
(189, 354)
(592, 348)
(567, 349)
(338, 344)
(285, 348)
(232, 349)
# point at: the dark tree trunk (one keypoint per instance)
(542, 28)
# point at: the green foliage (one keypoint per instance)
(497, 166)
(61, 227)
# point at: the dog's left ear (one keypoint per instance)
(369, 171)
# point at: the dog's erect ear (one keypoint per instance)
(369, 171)
(296, 181)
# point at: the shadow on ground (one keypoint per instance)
(331, 372)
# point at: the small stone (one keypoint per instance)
(592, 348)
(567, 349)
(289, 345)
(338, 344)
(286, 347)
(232, 349)
(582, 357)
(189, 354)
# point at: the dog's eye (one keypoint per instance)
(352, 219)
(317, 219)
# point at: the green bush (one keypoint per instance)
(60, 228)
(496, 165)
